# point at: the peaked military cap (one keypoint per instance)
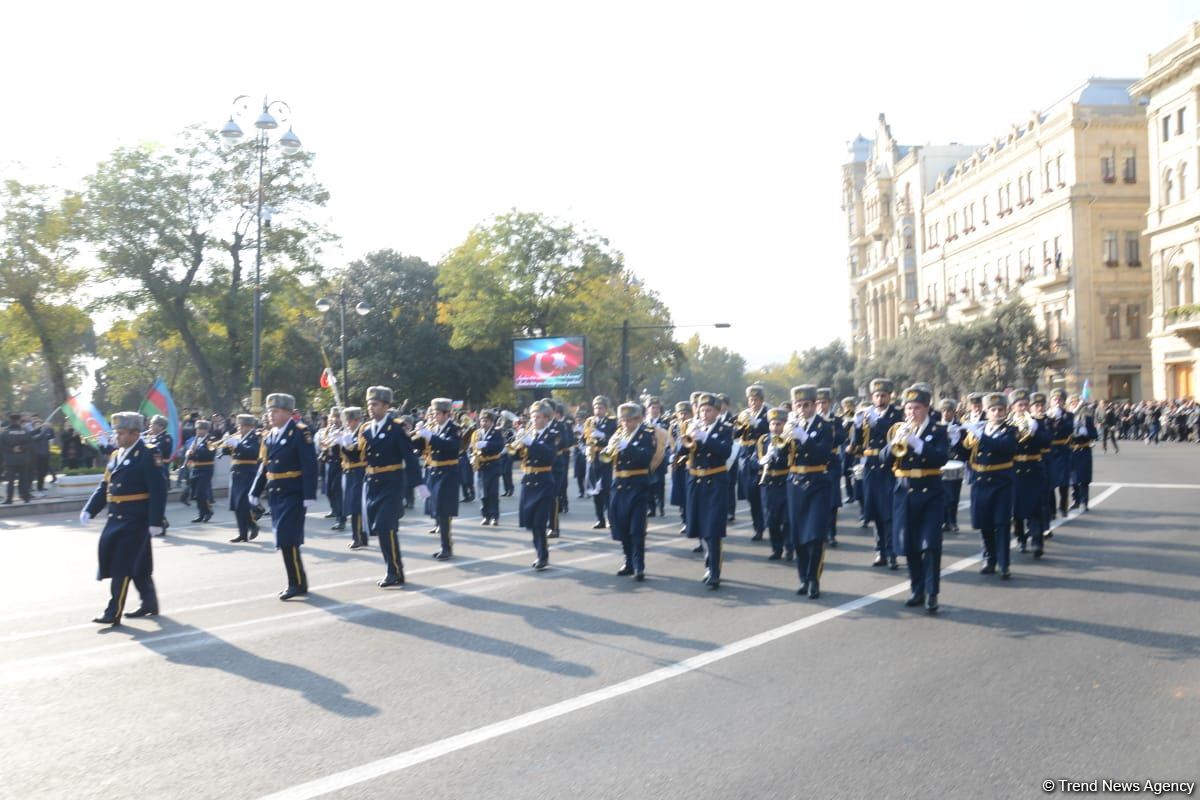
(777, 415)
(915, 394)
(882, 385)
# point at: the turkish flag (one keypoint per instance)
(562, 359)
(326, 378)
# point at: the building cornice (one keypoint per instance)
(1170, 67)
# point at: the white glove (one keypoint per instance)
(598, 435)
(232, 441)
(624, 443)
(1033, 426)
(423, 491)
(479, 444)
(155, 530)
(84, 518)
(1055, 412)
(308, 503)
(859, 417)
(253, 500)
(347, 439)
(527, 439)
(799, 434)
(976, 428)
(700, 434)
(425, 433)
(916, 443)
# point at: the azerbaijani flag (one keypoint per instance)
(1085, 394)
(86, 419)
(159, 401)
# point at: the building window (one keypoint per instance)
(1108, 167)
(1058, 253)
(1133, 256)
(1130, 173)
(1179, 121)
(910, 287)
(985, 204)
(1166, 126)
(1110, 248)
(1182, 180)
(1133, 320)
(1168, 186)
(1113, 321)
(1058, 176)
(1048, 184)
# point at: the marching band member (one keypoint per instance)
(773, 484)
(566, 446)
(288, 474)
(160, 441)
(871, 427)
(1037, 407)
(658, 478)
(1029, 479)
(597, 431)
(1062, 424)
(466, 473)
(579, 466)
(725, 415)
(751, 424)
(134, 490)
(678, 459)
(389, 454)
(834, 474)
(199, 459)
(354, 467)
(442, 480)
(919, 448)
(992, 444)
(1083, 436)
(243, 448)
(538, 447)
(331, 457)
(953, 493)
(487, 443)
(809, 439)
(849, 459)
(631, 451)
(709, 443)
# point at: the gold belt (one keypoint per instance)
(991, 467)
(776, 473)
(1081, 447)
(488, 459)
(535, 470)
(450, 462)
(704, 473)
(281, 476)
(1028, 458)
(1060, 441)
(870, 452)
(202, 463)
(128, 498)
(243, 462)
(353, 464)
(917, 473)
(809, 470)
(630, 473)
(385, 468)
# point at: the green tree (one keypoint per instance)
(523, 274)
(180, 223)
(38, 281)
(831, 366)
(706, 368)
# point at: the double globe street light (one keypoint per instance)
(289, 144)
(362, 308)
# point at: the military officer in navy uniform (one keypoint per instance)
(631, 451)
(287, 472)
(846, 421)
(537, 446)
(599, 474)
(1062, 425)
(1037, 407)
(834, 475)
(1029, 479)
(487, 444)
(445, 443)
(562, 464)
(354, 468)
(1083, 437)
(135, 492)
(392, 462)
(773, 483)
(808, 440)
(709, 443)
(871, 428)
(678, 461)
(975, 413)
(243, 448)
(330, 456)
(658, 477)
(750, 426)
(162, 443)
(992, 444)
(917, 449)
(953, 487)
(199, 460)
(579, 453)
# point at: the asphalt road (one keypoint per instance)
(482, 678)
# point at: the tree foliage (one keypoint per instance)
(831, 365)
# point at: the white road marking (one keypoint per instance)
(451, 744)
(1150, 485)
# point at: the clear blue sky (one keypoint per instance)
(703, 139)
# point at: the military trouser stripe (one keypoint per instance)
(394, 555)
(821, 563)
(121, 597)
(299, 569)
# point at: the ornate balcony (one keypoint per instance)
(1058, 351)
(1184, 322)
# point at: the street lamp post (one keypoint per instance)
(289, 143)
(362, 308)
(626, 328)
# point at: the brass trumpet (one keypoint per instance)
(609, 453)
(898, 437)
(1023, 422)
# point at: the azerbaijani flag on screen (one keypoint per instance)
(548, 363)
(159, 401)
(86, 419)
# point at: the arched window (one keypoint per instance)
(1187, 286)
(1182, 180)
(1174, 293)
(1167, 187)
